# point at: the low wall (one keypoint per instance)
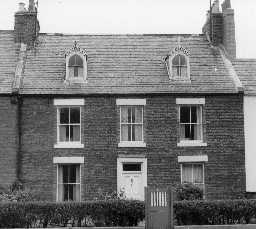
(242, 226)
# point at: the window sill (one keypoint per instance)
(131, 144)
(76, 80)
(70, 145)
(191, 143)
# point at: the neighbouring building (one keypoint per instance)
(88, 114)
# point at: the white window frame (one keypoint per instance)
(68, 103)
(80, 180)
(132, 103)
(187, 77)
(77, 79)
(198, 102)
(193, 163)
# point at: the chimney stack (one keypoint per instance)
(26, 27)
(220, 27)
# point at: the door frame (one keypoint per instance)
(144, 167)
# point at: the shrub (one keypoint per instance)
(93, 213)
(214, 212)
(188, 192)
(17, 193)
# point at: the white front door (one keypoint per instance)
(132, 177)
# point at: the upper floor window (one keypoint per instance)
(179, 66)
(131, 122)
(75, 66)
(190, 121)
(69, 123)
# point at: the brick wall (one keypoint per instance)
(224, 172)
(8, 141)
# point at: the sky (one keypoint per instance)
(135, 16)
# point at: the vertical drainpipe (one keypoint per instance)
(19, 151)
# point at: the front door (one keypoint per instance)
(132, 178)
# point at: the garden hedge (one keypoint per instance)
(122, 213)
(95, 213)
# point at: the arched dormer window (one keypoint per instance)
(76, 64)
(178, 64)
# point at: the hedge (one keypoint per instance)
(94, 213)
(122, 213)
(215, 212)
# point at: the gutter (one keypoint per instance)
(18, 100)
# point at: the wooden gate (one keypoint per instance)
(159, 208)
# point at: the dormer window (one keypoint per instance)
(177, 63)
(75, 66)
(179, 66)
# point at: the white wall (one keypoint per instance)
(250, 142)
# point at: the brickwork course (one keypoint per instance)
(33, 74)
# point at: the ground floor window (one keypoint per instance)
(68, 182)
(193, 173)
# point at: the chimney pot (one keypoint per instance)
(22, 7)
(216, 7)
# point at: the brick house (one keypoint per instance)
(83, 114)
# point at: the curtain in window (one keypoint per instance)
(187, 173)
(60, 183)
(78, 184)
(198, 173)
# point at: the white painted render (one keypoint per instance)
(199, 158)
(250, 142)
(68, 102)
(130, 102)
(190, 101)
(68, 160)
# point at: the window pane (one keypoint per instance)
(176, 71)
(197, 132)
(129, 114)
(198, 173)
(75, 115)
(175, 60)
(182, 60)
(75, 71)
(193, 114)
(185, 114)
(138, 114)
(124, 114)
(124, 132)
(138, 132)
(132, 167)
(64, 115)
(64, 133)
(187, 173)
(72, 173)
(75, 60)
(65, 172)
(183, 71)
(75, 133)
(76, 192)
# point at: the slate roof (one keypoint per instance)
(117, 64)
(246, 71)
(124, 64)
(8, 58)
